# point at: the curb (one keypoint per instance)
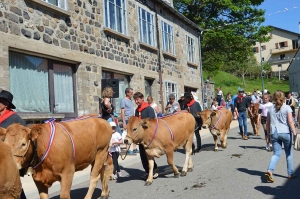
(124, 163)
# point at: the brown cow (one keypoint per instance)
(2, 133)
(10, 183)
(91, 138)
(218, 122)
(254, 118)
(159, 142)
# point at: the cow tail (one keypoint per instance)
(193, 149)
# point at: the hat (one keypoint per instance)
(188, 94)
(248, 93)
(241, 90)
(182, 95)
(7, 96)
(112, 124)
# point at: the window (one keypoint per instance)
(115, 15)
(146, 25)
(168, 38)
(123, 84)
(171, 88)
(148, 87)
(283, 44)
(262, 59)
(263, 47)
(296, 44)
(59, 3)
(282, 56)
(42, 85)
(190, 49)
(255, 50)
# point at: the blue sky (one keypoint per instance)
(283, 14)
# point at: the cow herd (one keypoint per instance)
(54, 151)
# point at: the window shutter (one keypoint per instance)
(276, 45)
(256, 49)
(285, 44)
(264, 47)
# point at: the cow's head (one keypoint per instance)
(2, 133)
(205, 117)
(135, 130)
(19, 138)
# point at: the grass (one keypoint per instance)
(231, 83)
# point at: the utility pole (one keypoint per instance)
(261, 69)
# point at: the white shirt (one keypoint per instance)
(153, 105)
(220, 92)
(264, 108)
(116, 137)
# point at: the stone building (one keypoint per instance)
(54, 54)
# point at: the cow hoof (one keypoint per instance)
(183, 173)
(103, 197)
(190, 169)
(176, 175)
(148, 183)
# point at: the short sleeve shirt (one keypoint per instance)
(127, 105)
(116, 137)
(278, 119)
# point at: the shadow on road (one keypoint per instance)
(288, 190)
(253, 147)
(257, 173)
(80, 193)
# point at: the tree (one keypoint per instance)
(231, 27)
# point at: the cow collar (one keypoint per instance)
(153, 133)
(214, 126)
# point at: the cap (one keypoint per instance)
(241, 90)
(248, 93)
(188, 94)
(112, 124)
(182, 95)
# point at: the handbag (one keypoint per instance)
(297, 142)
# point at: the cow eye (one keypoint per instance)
(23, 144)
(134, 129)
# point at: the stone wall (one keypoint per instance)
(79, 35)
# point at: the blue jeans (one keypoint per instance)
(243, 122)
(277, 140)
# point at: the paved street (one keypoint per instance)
(236, 172)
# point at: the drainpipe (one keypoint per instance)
(159, 63)
(200, 59)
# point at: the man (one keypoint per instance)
(181, 101)
(127, 111)
(8, 117)
(144, 111)
(192, 106)
(241, 104)
(208, 79)
(255, 98)
(232, 106)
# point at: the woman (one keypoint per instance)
(290, 101)
(172, 105)
(228, 101)
(220, 96)
(280, 127)
(153, 105)
(107, 108)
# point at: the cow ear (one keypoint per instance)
(198, 114)
(2, 133)
(35, 132)
(144, 123)
(213, 114)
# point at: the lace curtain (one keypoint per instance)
(29, 83)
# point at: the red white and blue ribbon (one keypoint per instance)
(217, 121)
(51, 138)
(72, 141)
(170, 130)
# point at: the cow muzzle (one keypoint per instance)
(126, 141)
(204, 126)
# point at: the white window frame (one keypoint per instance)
(152, 24)
(165, 35)
(167, 92)
(59, 4)
(192, 47)
(123, 16)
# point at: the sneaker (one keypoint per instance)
(129, 152)
(271, 147)
(114, 177)
(145, 176)
(155, 175)
(119, 174)
(267, 147)
(245, 137)
(136, 151)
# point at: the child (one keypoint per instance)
(116, 140)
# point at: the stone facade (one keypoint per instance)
(78, 35)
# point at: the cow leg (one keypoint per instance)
(216, 142)
(223, 139)
(43, 190)
(151, 166)
(258, 126)
(95, 173)
(106, 172)
(189, 150)
(170, 160)
(253, 126)
(66, 183)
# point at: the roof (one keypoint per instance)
(293, 58)
(285, 30)
(175, 12)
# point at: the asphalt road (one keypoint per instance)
(234, 172)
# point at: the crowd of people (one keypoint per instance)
(276, 116)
